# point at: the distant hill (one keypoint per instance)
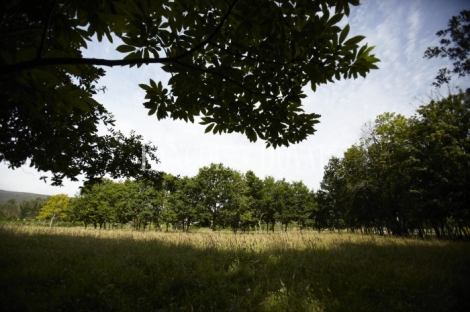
(19, 196)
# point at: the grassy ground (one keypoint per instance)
(73, 269)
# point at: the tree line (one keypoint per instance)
(26, 209)
(217, 197)
(405, 175)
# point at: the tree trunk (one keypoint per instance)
(214, 225)
(52, 220)
(437, 231)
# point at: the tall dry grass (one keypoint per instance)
(76, 269)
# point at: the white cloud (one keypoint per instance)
(413, 28)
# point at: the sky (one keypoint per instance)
(400, 30)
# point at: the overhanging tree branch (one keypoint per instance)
(257, 61)
(40, 62)
(81, 61)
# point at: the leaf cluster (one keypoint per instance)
(48, 115)
(456, 48)
(241, 65)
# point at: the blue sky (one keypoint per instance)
(401, 30)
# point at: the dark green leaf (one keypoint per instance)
(353, 41)
(125, 48)
(209, 128)
(344, 34)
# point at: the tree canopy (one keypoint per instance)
(456, 48)
(240, 65)
(57, 207)
(217, 197)
(405, 175)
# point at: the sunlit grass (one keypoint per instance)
(76, 269)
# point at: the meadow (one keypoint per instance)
(76, 269)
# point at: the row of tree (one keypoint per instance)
(26, 209)
(217, 197)
(405, 175)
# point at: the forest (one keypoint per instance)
(404, 176)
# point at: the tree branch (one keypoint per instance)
(81, 61)
(47, 23)
(40, 62)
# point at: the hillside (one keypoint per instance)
(19, 196)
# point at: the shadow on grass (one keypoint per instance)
(76, 273)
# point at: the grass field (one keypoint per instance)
(72, 269)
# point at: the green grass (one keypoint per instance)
(72, 269)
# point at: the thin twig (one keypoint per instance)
(47, 23)
(204, 42)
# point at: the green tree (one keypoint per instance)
(405, 175)
(240, 64)
(331, 206)
(80, 209)
(145, 203)
(456, 48)
(442, 150)
(238, 213)
(110, 202)
(214, 182)
(303, 202)
(168, 214)
(96, 204)
(56, 208)
(123, 206)
(255, 196)
(283, 203)
(390, 164)
(10, 209)
(186, 201)
(101, 204)
(30, 208)
(267, 210)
